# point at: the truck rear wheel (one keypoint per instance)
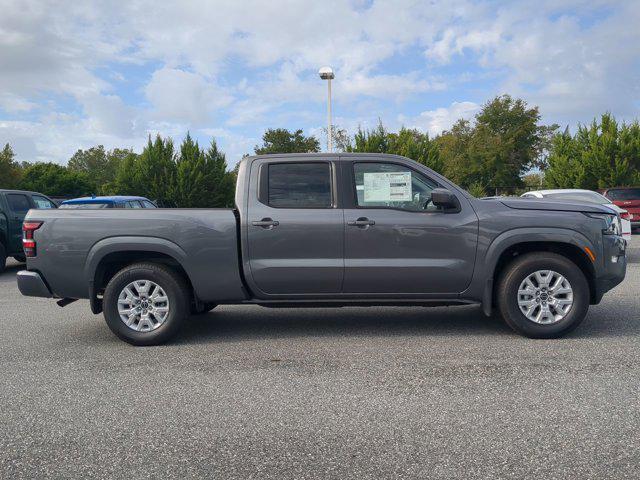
(146, 304)
(543, 295)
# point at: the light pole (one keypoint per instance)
(326, 73)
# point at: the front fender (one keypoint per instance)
(482, 284)
(528, 235)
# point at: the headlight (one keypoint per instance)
(612, 223)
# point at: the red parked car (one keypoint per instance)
(627, 198)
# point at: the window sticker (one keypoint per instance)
(387, 186)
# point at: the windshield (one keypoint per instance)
(87, 206)
(624, 194)
(591, 197)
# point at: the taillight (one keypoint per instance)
(626, 216)
(28, 242)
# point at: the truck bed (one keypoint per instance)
(203, 241)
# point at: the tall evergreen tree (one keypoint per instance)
(10, 171)
(602, 154)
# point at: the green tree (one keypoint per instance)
(10, 171)
(281, 140)
(220, 183)
(189, 189)
(55, 180)
(202, 179)
(100, 165)
(603, 154)
(408, 142)
(155, 173)
(505, 141)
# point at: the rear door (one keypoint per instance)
(19, 204)
(295, 238)
(396, 241)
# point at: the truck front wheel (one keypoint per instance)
(543, 295)
(146, 304)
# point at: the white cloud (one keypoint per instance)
(436, 121)
(184, 96)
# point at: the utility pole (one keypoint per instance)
(326, 73)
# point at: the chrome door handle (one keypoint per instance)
(265, 223)
(361, 222)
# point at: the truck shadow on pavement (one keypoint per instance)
(255, 323)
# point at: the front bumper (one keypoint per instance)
(31, 284)
(615, 265)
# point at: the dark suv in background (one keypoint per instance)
(14, 205)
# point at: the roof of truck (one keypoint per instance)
(327, 155)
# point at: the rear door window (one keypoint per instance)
(18, 203)
(299, 185)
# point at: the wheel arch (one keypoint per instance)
(568, 243)
(109, 256)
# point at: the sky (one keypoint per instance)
(79, 74)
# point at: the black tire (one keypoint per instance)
(202, 308)
(518, 270)
(175, 288)
(20, 258)
(3, 258)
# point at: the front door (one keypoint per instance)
(294, 230)
(397, 241)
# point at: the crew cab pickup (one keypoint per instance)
(315, 230)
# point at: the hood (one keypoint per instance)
(554, 205)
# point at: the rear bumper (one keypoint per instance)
(31, 284)
(615, 265)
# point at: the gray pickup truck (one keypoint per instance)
(329, 230)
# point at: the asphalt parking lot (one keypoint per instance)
(249, 392)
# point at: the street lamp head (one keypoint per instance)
(326, 73)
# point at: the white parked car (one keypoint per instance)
(574, 194)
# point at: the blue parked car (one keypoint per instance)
(115, 201)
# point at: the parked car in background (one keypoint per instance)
(627, 198)
(14, 205)
(330, 230)
(116, 201)
(575, 194)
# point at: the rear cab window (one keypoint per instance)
(297, 185)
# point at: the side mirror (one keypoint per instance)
(441, 197)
